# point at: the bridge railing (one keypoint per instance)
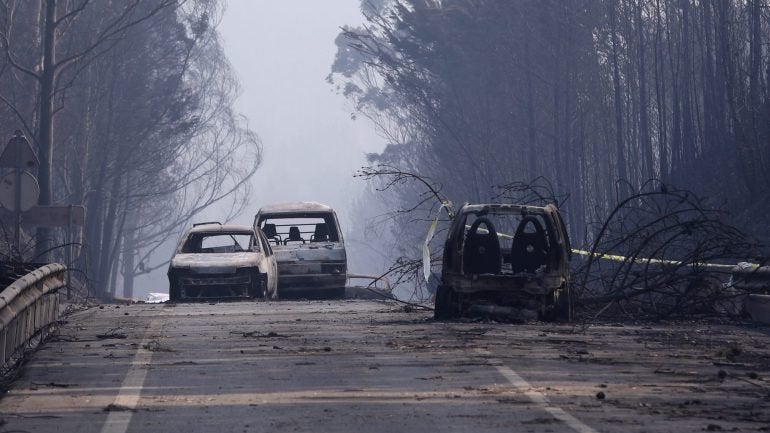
(28, 307)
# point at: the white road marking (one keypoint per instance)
(122, 409)
(537, 397)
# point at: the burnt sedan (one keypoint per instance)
(214, 261)
(505, 260)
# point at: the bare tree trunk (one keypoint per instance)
(676, 142)
(532, 145)
(688, 127)
(46, 132)
(758, 121)
(114, 267)
(710, 86)
(129, 254)
(648, 170)
(661, 95)
(110, 233)
(620, 146)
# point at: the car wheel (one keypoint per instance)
(338, 293)
(445, 306)
(268, 295)
(265, 288)
(174, 293)
(258, 288)
(562, 303)
(559, 308)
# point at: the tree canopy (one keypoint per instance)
(142, 130)
(597, 96)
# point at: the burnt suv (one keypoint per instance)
(505, 260)
(308, 246)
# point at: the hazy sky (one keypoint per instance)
(282, 52)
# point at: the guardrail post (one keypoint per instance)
(3, 338)
(28, 306)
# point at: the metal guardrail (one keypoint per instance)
(375, 279)
(28, 306)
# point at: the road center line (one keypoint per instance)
(537, 397)
(122, 409)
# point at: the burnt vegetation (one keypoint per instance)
(663, 253)
(660, 253)
(129, 109)
(407, 266)
(644, 121)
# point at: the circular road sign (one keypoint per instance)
(30, 191)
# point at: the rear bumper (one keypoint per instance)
(189, 286)
(311, 275)
(522, 285)
(310, 282)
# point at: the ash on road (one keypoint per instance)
(353, 366)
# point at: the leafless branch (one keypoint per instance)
(662, 253)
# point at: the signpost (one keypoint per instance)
(19, 191)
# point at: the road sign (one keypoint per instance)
(29, 191)
(18, 153)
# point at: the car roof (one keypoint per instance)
(503, 207)
(300, 206)
(218, 228)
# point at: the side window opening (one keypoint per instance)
(265, 246)
(300, 228)
(218, 243)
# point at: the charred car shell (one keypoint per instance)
(505, 260)
(309, 247)
(214, 261)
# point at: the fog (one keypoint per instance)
(282, 53)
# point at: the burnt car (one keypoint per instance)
(505, 260)
(215, 261)
(309, 248)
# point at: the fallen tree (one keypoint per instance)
(663, 253)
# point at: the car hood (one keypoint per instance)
(215, 261)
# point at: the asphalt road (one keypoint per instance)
(364, 366)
